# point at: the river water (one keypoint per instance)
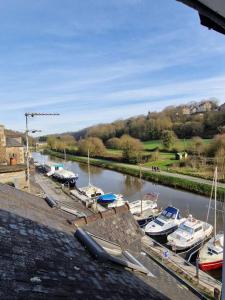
(132, 189)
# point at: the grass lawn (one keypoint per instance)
(182, 144)
(164, 160)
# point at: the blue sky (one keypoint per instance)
(96, 61)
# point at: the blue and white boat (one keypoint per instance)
(166, 223)
(107, 198)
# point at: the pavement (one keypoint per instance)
(176, 175)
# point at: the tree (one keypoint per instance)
(197, 145)
(114, 143)
(132, 149)
(168, 139)
(52, 142)
(93, 144)
(61, 142)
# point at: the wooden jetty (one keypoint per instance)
(185, 271)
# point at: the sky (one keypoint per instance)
(96, 61)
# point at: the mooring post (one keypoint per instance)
(197, 268)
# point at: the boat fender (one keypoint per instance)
(51, 202)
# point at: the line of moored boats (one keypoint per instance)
(185, 235)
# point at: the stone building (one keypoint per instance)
(10, 147)
(12, 168)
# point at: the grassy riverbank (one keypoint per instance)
(175, 182)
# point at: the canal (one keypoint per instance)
(132, 189)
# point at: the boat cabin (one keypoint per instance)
(170, 213)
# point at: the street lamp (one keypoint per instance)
(27, 115)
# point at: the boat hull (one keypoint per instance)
(69, 181)
(208, 266)
(163, 232)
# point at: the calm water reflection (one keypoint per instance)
(132, 189)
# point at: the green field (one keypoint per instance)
(181, 144)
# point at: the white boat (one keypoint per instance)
(65, 176)
(167, 222)
(211, 254)
(50, 168)
(189, 234)
(139, 206)
(110, 200)
(89, 193)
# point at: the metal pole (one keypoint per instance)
(89, 175)
(140, 192)
(223, 276)
(197, 268)
(32, 114)
(27, 155)
(215, 199)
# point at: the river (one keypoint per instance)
(133, 189)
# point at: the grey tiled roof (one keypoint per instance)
(11, 142)
(41, 259)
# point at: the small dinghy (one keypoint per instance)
(107, 198)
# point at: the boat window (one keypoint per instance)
(168, 215)
(186, 228)
(199, 228)
(211, 251)
(159, 222)
(98, 194)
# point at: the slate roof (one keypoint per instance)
(41, 259)
(12, 142)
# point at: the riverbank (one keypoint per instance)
(164, 179)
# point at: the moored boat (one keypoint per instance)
(66, 177)
(189, 234)
(49, 168)
(211, 255)
(110, 200)
(167, 222)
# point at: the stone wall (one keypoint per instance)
(17, 152)
(18, 178)
(2, 136)
(118, 226)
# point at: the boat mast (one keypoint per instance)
(140, 191)
(89, 174)
(215, 200)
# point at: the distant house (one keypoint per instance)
(205, 106)
(222, 107)
(181, 155)
(185, 110)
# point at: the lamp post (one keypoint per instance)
(27, 115)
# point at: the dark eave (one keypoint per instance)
(208, 17)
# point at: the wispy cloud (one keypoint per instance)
(96, 61)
